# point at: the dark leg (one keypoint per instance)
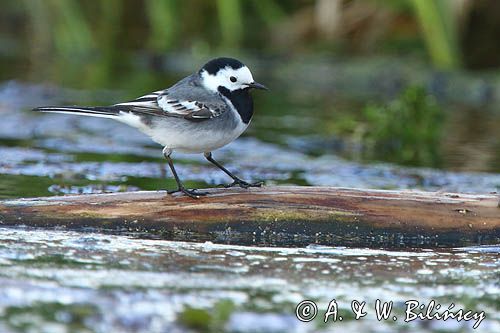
(180, 188)
(236, 181)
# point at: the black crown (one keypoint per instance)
(214, 65)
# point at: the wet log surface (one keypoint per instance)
(289, 216)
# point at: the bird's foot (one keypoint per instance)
(243, 184)
(190, 193)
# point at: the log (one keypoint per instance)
(275, 215)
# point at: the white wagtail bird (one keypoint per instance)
(200, 113)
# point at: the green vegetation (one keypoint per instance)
(231, 22)
(206, 321)
(99, 36)
(439, 31)
(406, 130)
(162, 23)
(31, 318)
(24, 186)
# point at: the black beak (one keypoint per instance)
(257, 85)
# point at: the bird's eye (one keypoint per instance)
(232, 78)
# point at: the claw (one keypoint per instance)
(190, 193)
(244, 184)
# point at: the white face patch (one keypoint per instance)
(223, 78)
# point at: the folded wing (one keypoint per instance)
(187, 99)
(162, 104)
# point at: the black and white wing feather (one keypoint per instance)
(190, 100)
(187, 99)
(188, 109)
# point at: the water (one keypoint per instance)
(91, 282)
(49, 154)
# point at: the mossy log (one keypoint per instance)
(283, 215)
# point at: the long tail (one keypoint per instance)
(91, 111)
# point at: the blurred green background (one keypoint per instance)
(44, 36)
(413, 82)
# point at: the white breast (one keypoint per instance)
(198, 141)
(186, 136)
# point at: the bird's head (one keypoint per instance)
(228, 73)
